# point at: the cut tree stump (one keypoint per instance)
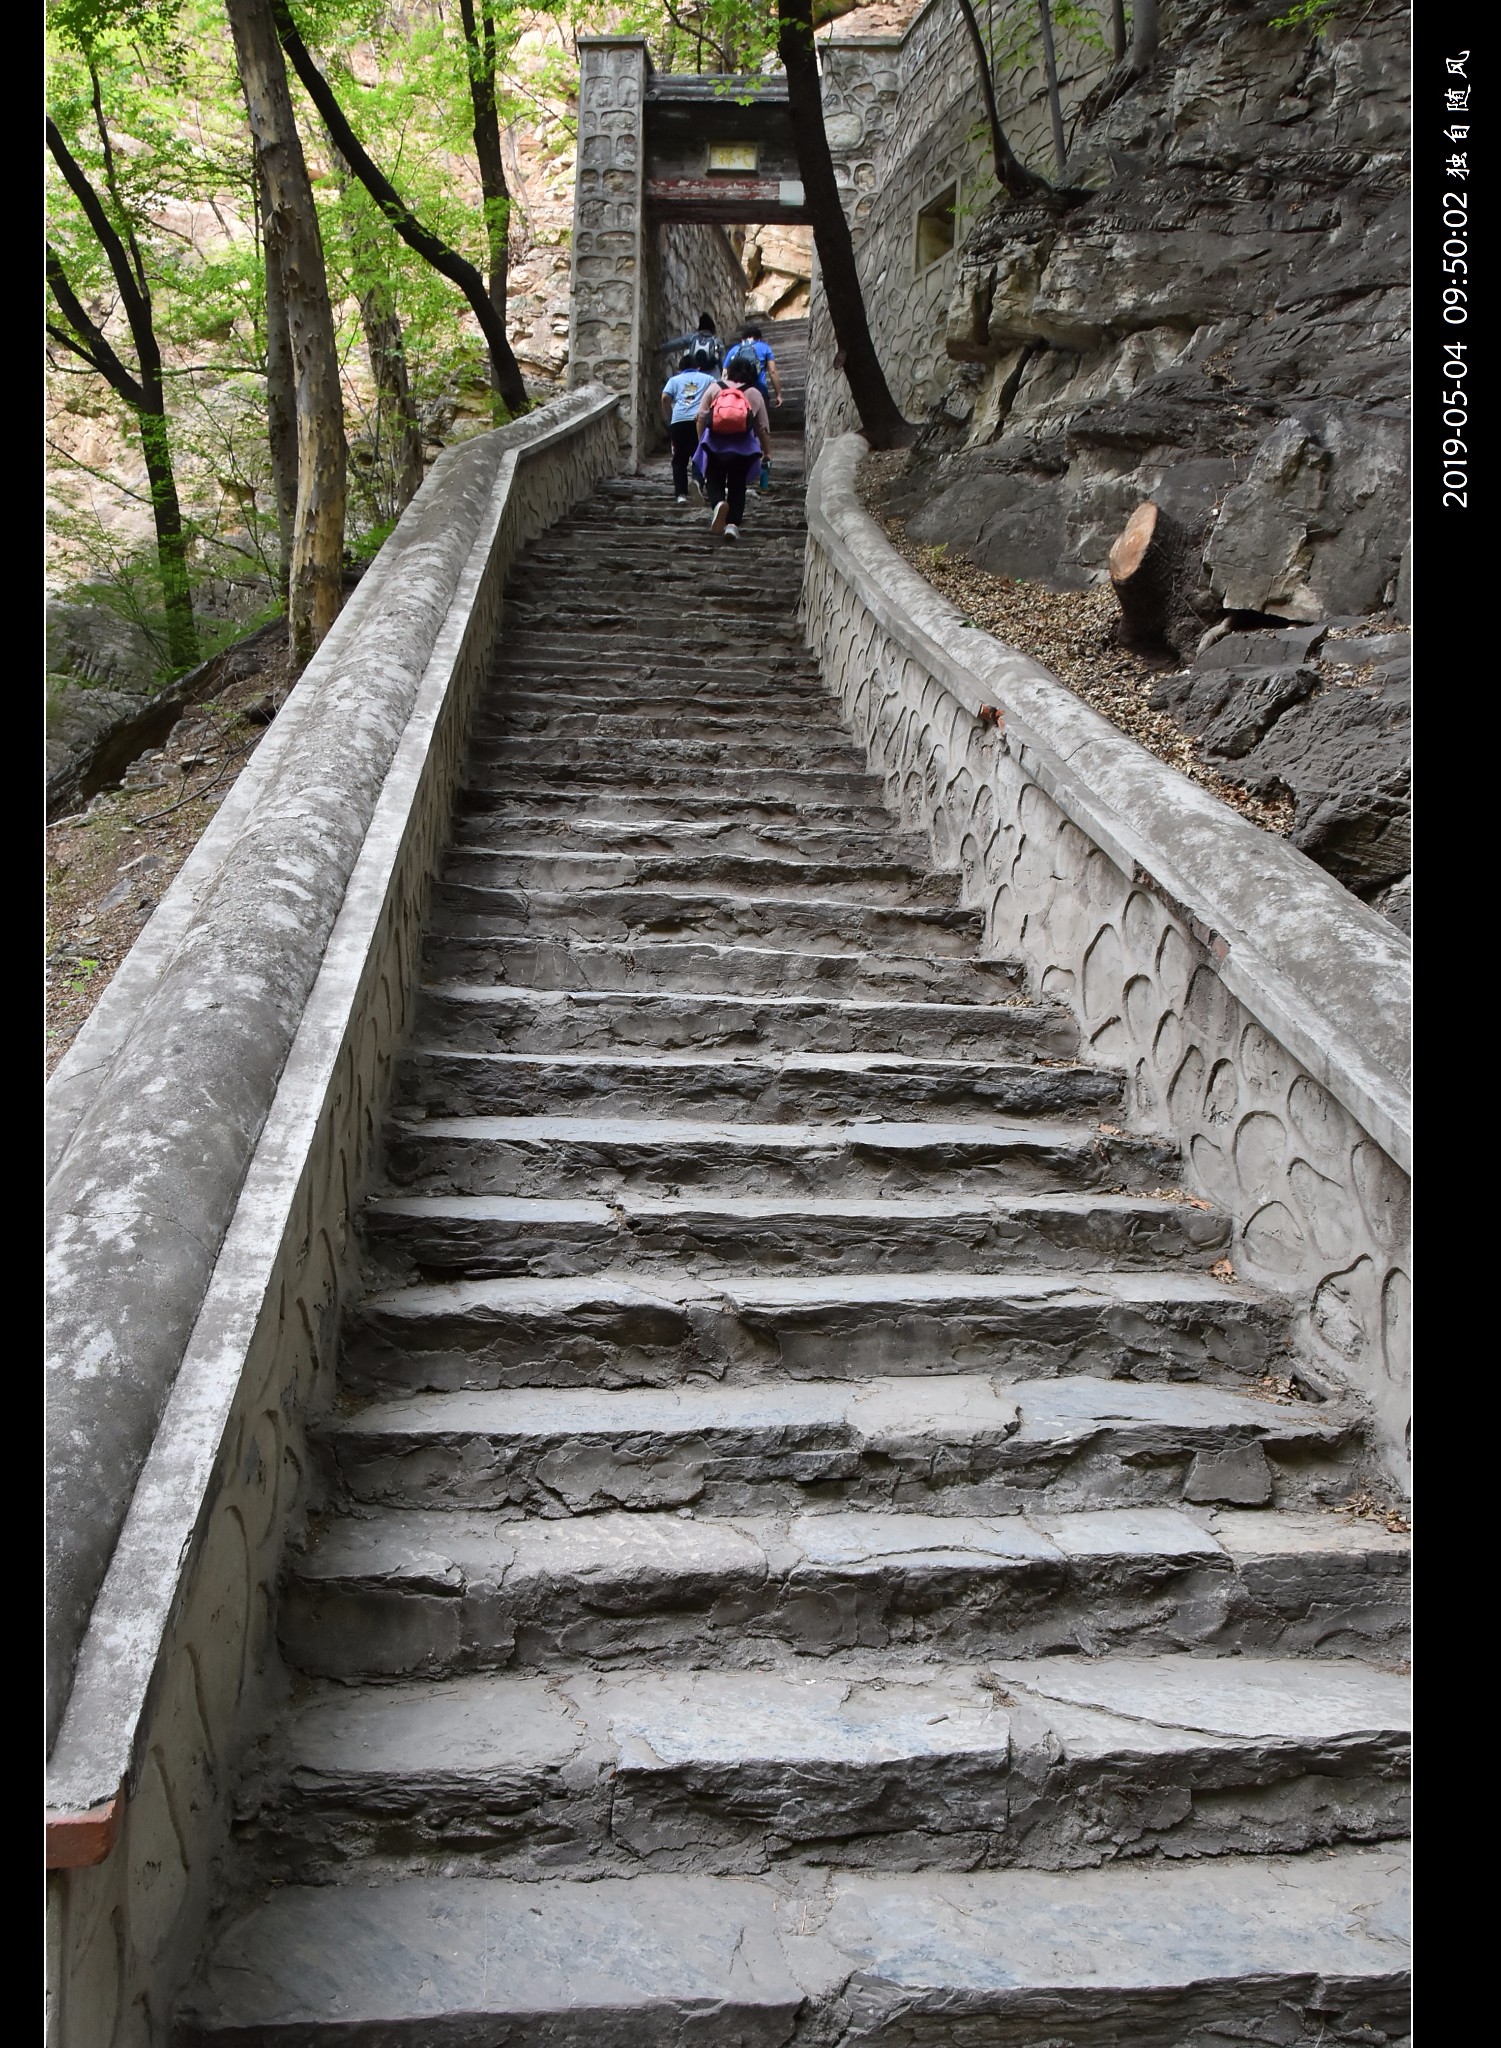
(1154, 568)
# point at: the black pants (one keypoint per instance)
(684, 437)
(727, 477)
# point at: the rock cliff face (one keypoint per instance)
(1220, 327)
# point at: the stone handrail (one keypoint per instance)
(1260, 1010)
(211, 1124)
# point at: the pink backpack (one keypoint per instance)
(731, 413)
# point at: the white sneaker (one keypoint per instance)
(732, 533)
(719, 515)
(680, 501)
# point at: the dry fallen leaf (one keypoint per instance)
(1367, 1507)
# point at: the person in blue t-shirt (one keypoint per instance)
(750, 343)
(680, 401)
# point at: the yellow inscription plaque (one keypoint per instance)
(732, 156)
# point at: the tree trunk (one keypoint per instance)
(386, 349)
(388, 365)
(171, 541)
(1143, 33)
(1050, 65)
(1155, 569)
(505, 371)
(480, 49)
(316, 580)
(1011, 173)
(144, 392)
(281, 390)
(880, 419)
(1117, 29)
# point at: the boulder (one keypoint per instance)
(1234, 709)
(1310, 533)
(89, 644)
(100, 669)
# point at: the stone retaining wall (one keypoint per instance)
(1260, 1012)
(905, 118)
(172, 1670)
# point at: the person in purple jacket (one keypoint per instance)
(736, 431)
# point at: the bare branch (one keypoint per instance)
(95, 349)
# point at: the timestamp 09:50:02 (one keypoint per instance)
(1456, 312)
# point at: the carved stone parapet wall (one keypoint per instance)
(605, 315)
(179, 1655)
(1259, 1011)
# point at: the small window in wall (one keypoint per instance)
(935, 227)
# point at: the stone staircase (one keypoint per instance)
(789, 338)
(814, 1546)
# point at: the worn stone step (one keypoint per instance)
(707, 967)
(596, 1155)
(816, 752)
(650, 507)
(756, 603)
(760, 1088)
(429, 1593)
(668, 781)
(1062, 1763)
(641, 1327)
(725, 651)
(802, 923)
(657, 534)
(661, 580)
(613, 668)
(666, 596)
(701, 872)
(483, 1019)
(948, 1443)
(585, 561)
(479, 1236)
(773, 517)
(1295, 1949)
(777, 682)
(659, 719)
(791, 846)
(657, 808)
(723, 700)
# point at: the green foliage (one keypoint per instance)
(146, 96)
(1310, 14)
(723, 36)
(1013, 34)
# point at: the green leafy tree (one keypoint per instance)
(100, 243)
(419, 236)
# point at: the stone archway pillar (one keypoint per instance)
(609, 226)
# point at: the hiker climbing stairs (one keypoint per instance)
(813, 1544)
